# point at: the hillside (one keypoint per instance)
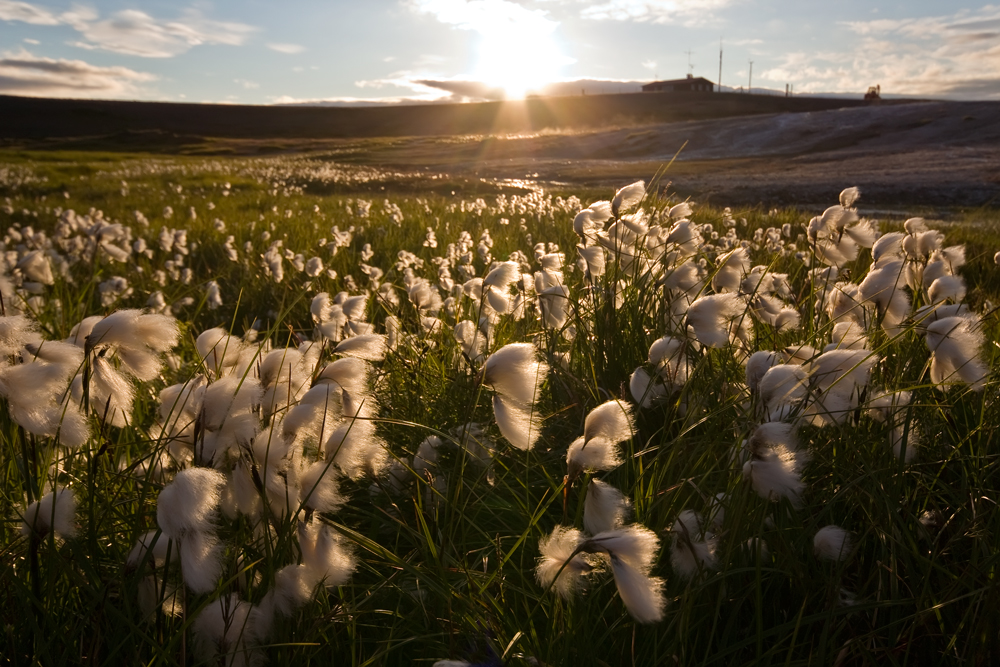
(144, 123)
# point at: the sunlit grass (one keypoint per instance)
(448, 571)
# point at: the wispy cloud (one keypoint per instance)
(957, 55)
(25, 74)
(132, 31)
(485, 16)
(26, 13)
(290, 49)
(685, 12)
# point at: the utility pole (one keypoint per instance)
(750, 81)
(720, 65)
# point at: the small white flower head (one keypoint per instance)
(668, 357)
(53, 513)
(849, 196)
(503, 275)
(832, 543)
(693, 547)
(224, 633)
(954, 343)
(201, 561)
(133, 329)
(595, 258)
(370, 347)
(634, 544)
(318, 488)
(598, 454)
(612, 421)
(605, 508)
(15, 331)
(153, 545)
(561, 566)
(519, 423)
(325, 553)
(515, 372)
(716, 318)
(641, 593)
(645, 389)
(213, 295)
(757, 364)
(782, 389)
(188, 504)
(628, 197)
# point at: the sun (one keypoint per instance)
(518, 59)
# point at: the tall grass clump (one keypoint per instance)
(247, 421)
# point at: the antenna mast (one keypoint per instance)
(690, 67)
(750, 81)
(720, 66)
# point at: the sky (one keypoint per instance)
(387, 51)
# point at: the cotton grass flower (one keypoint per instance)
(832, 543)
(718, 318)
(693, 547)
(954, 343)
(53, 514)
(604, 508)
(632, 550)
(189, 503)
(562, 566)
(514, 372)
(224, 633)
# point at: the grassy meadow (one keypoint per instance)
(392, 509)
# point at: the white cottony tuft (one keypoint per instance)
(54, 513)
(628, 197)
(605, 507)
(188, 504)
(224, 633)
(832, 543)
(611, 421)
(716, 317)
(370, 347)
(954, 343)
(515, 372)
(201, 561)
(849, 196)
(641, 594)
(560, 565)
(598, 454)
(518, 423)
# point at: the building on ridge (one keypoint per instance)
(688, 85)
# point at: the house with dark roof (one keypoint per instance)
(688, 85)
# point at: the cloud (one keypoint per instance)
(286, 48)
(25, 13)
(136, 33)
(428, 89)
(686, 12)
(956, 55)
(24, 74)
(485, 16)
(249, 85)
(28, 40)
(132, 31)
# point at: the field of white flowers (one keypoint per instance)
(266, 411)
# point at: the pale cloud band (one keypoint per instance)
(957, 55)
(24, 74)
(132, 31)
